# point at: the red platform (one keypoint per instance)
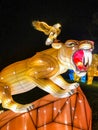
(73, 113)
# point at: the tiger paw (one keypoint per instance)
(73, 86)
(22, 108)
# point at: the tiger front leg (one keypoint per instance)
(8, 102)
(61, 82)
(41, 77)
(52, 88)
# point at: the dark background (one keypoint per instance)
(19, 40)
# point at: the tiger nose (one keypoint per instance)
(86, 44)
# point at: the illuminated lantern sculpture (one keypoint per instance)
(52, 113)
(66, 107)
(45, 69)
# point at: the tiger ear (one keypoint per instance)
(56, 45)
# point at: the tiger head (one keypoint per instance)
(76, 55)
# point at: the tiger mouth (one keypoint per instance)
(82, 60)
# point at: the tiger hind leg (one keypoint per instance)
(8, 102)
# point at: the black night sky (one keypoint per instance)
(19, 40)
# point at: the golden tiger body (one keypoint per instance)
(44, 70)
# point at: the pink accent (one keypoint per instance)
(78, 60)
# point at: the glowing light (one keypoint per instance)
(80, 101)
